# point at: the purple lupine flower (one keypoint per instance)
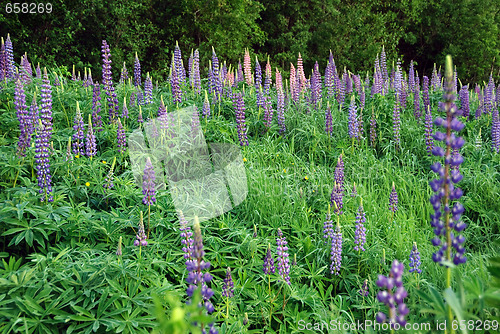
(196, 72)
(190, 69)
(373, 130)
(315, 86)
(121, 138)
(239, 74)
(464, 101)
(415, 260)
(283, 257)
(257, 75)
(38, 71)
(196, 265)
(429, 142)
(228, 286)
(57, 83)
(353, 120)
(73, 76)
(239, 108)
(217, 82)
(124, 74)
(329, 77)
(328, 119)
(393, 299)
(162, 110)
(495, 132)
(364, 289)
(9, 57)
(337, 198)
(89, 81)
(411, 78)
(268, 111)
(425, 92)
(42, 162)
(178, 66)
(360, 124)
(26, 70)
(90, 145)
(336, 250)
(148, 90)
(137, 72)
(354, 192)
(23, 118)
(205, 111)
(186, 236)
(124, 109)
(357, 83)
(446, 222)
(328, 226)
(148, 184)
(393, 199)
(108, 82)
(3, 62)
(268, 265)
(360, 233)
(140, 238)
(362, 98)
(176, 87)
(280, 108)
(96, 107)
(78, 136)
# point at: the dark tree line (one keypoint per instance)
(353, 30)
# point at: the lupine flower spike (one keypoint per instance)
(119, 249)
(336, 248)
(186, 236)
(415, 260)
(228, 289)
(446, 222)
(141, 235)
(196, 278)
(360, 234)
(364, 289)
(108, 180)
(393, 201)
(393, 299)
(283, 257)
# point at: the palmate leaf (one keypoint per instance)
(435, 300)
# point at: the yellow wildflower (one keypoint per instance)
(87, 184)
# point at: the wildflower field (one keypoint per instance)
(366, 202)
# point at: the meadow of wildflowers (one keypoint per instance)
(407, 176)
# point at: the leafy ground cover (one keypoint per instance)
(82, 252)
